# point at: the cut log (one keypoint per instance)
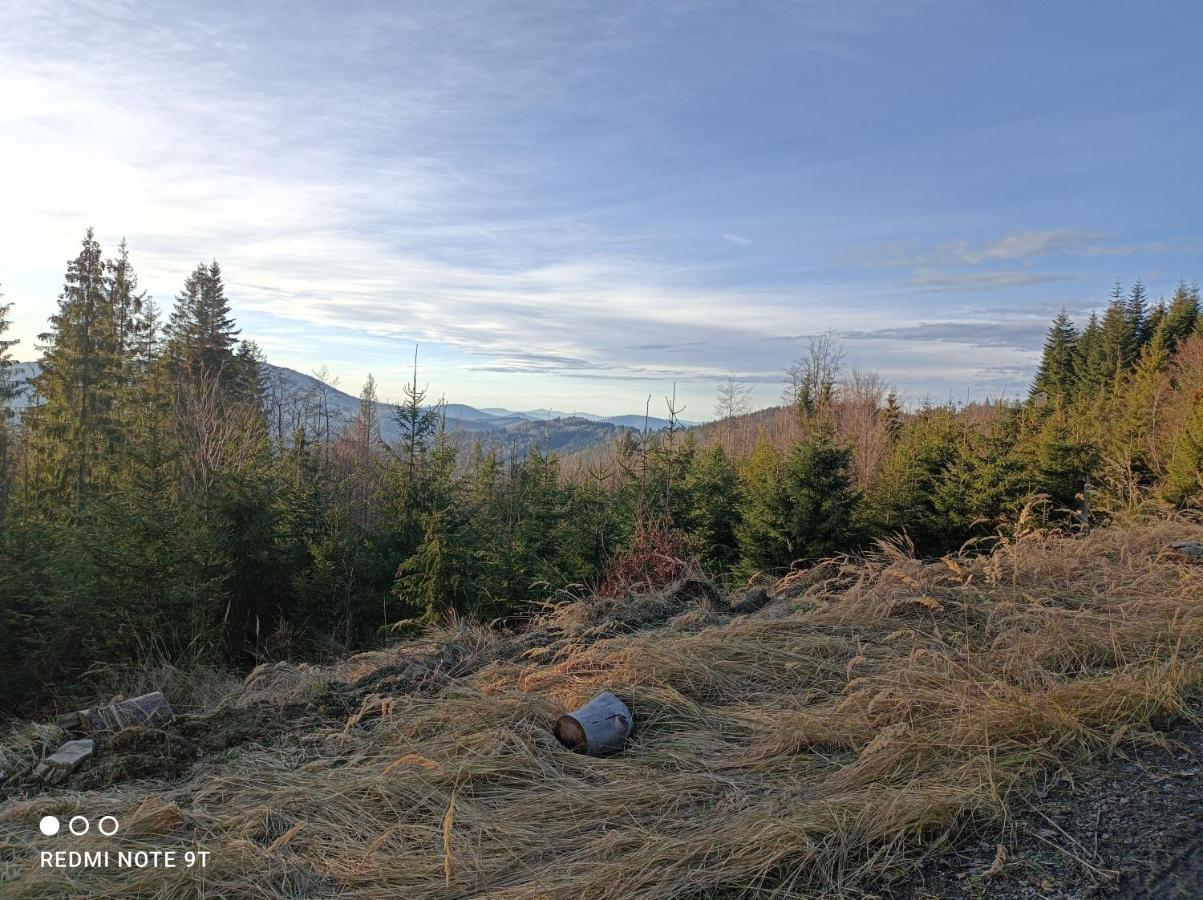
(755, 599)
(599, 728)
(64, 761)
(145, 710)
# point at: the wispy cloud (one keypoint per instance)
(1024, 245)
(980, 281)
(1019, 246)
(737, 239)
(1023, 335)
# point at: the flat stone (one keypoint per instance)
(64, 761)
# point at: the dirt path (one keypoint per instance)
(1131, 827)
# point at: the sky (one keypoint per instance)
(581, 205)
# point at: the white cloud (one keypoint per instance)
(194, 163)
(359, 184)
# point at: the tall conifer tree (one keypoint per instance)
(1181, 316)
(75, 431)
(1055, 377)
(1085, 357)
(201, 336)
(1136, 310)
(1184, 480)
(9, 390)
(8, 386)
(1116, 345)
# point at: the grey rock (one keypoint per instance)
(756, 599)
(1192, 550)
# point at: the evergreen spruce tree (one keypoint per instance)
(764, 511)
(130, 321)
(982, 477)
(419, 424)
(1130, 438)
(1136, 311)
(247, 374)
(1116, 347)
(1055, 378)
(892, 415)
(363, 479)
(1059, 459)
(75, 432)
(1184, 478)
(201, 336)
(438, 575)
(146, 534)
(823, 498)
(9, 391)
(1181, 316)
(239, 531)
(146, 350)
(798, 508)
(224, 465)
(145, 486)
(126, 300)
(1156, 319)
(901, 497)
(711, 516)
(1086, 358)
(315, 536)
(550, 535)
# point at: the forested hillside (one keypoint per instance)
(162, 499)
(289, 396)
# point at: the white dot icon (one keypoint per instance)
(49, 825)
(109, 832)
(79, 825)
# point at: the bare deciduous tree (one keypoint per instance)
(734, 398)
(860, 423)
(811, 378)
(218, 435)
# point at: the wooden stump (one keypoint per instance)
(598, 728)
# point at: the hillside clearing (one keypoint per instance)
(877, 713)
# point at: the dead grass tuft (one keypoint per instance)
(279, 683)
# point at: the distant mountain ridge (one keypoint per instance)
(471, 418)
(510, 430)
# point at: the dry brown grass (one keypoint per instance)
(280, 683)
(877, 712)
